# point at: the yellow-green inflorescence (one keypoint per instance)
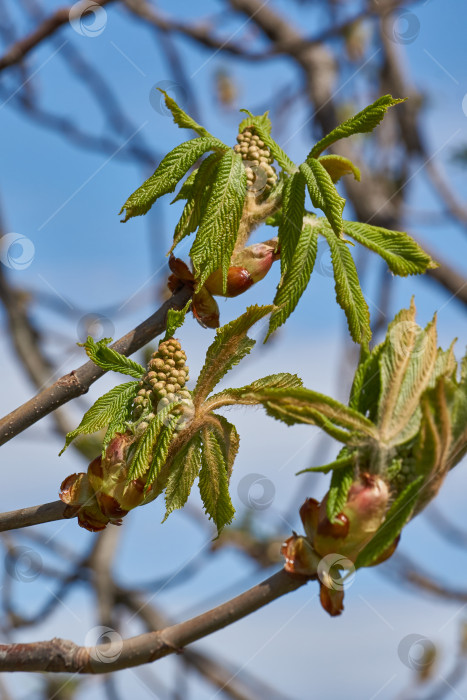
(261, 176)
(163, 384)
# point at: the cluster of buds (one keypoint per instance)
(104, 494)
(248, 266)
(338, 541)
(163, 384)
(258, 160)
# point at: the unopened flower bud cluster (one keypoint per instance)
(253, 150)
(163, 384)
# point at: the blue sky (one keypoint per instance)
(66, 200)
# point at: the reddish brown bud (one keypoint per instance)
(205, 309)
(309, 513)
(300, 557)
(331, 600)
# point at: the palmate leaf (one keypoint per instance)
(363, 122)
(297, 276)
(146, 446)
(229, 347)
(213, 480)
(396, 518)
(218, 229)
(181, 118)
(110, 360)
(197, 198)
(187, 187)
(339, 488)
(338, 166)
(403, 255)
(291, 220)
(169, 172)
(106, 409)
(183, 472)
(348, 291)
(262, 126)
(323, 193)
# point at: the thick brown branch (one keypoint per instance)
(78, 381)
(60, 655)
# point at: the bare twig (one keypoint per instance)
(60, 655)
(46, 28)
(25, 517)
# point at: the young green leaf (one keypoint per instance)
(218, 229)
(366, 385)
(396, 518)
(145, 448)
(291, 220)
(187, 188)
(229, 347)
(406, 366)
(283, 380)
(169, 172)
(338, 166)
(200, 192)
(348, 291)
(296, 277)
(363, 122)
(106, 409)
(175, 319)
(402, 254)
(181, 118)
(341, 481)
(183, 472)
(110, 360)
(228, 438)
(213, 481)
(302, 405)
(120, 422)
(323, 193)
(161, 449)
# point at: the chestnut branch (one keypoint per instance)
(61, 655)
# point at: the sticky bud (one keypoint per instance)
(300, 557)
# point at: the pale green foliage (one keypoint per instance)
(107, 409)
(340, 463)
(363, 122)
(110, 360)
(218, 228)
(213, 480)
(184, 470)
